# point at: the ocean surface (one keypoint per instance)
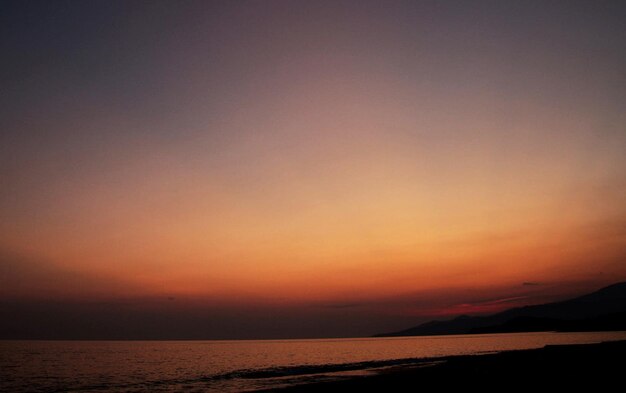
(211, 366)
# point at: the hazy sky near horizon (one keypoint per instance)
(360, 163)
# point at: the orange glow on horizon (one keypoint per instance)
(327, 161)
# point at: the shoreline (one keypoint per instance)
(597, 366)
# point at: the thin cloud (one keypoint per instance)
(498, 301)
(484, 307)
(341, 305)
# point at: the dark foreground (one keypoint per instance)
(601, 367)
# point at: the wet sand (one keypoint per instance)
(594, 367)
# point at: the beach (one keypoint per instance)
(489, 362)
(591, 366)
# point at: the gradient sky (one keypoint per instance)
(247, 169)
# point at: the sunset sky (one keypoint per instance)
(246, 169)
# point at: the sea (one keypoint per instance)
(235, 366)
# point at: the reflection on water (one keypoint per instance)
(136, 366)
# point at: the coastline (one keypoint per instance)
(598, 366)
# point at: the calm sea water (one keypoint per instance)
(171, 366)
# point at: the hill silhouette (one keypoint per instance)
(604, 309)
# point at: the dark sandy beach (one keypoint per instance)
(594, 367)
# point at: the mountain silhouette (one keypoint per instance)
(604, 309)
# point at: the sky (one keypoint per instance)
(274, 169)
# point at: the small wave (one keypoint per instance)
(261, 374)
(289, 371)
